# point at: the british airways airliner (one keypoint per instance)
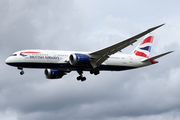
(59, 63)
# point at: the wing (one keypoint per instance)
(98, 57)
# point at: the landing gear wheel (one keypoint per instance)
(80, 72)
(22, 72)
(79, 78)
(83, 79)
(91, 71)
(96, 72)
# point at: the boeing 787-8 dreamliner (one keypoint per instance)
(59, 63)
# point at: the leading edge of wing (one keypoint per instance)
(100, 56)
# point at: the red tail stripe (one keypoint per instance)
(147, 40)
(137, 53)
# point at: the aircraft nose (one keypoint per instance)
(7, 61)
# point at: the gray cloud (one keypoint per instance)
(145, 93)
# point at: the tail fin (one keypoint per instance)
(144, 48)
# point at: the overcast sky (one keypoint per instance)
(148, 93)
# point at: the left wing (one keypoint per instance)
(98, 57)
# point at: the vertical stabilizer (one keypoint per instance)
(144, 48)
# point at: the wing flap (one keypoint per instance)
(101, 55)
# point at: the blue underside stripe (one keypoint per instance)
(68, 66)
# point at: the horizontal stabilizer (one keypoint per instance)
(158, 56)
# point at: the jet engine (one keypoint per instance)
(79, 59)
(53, 73)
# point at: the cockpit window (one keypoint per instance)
(14, 55)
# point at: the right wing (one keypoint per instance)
(98, 57)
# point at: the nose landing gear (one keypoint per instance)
(22, 72)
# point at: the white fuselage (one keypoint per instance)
(60, 60)
(59, 63)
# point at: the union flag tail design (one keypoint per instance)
(144, 48)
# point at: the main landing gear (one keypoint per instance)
(95, 72)
(22, 72)
(81, 76)
(80, 72)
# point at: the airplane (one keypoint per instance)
(59, 63)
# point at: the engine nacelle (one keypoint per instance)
(79, 59)
(53, 73)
